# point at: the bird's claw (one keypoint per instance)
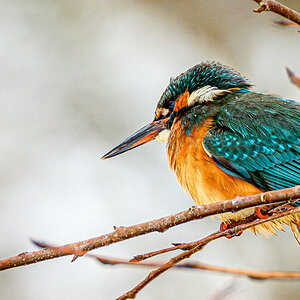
(259, 214)
(225, 226)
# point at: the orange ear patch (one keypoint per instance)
(182, 101)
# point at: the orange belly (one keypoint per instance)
(206, 183)
(196, 171)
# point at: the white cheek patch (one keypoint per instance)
(163, 136)
(162, 112)
(165, 111)
(205, 94)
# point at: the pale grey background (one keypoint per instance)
(77, 77)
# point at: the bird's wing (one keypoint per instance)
(257, 139)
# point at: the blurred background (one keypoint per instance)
(76, 78)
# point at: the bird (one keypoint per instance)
(224, 140)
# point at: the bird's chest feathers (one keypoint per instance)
(196, 171)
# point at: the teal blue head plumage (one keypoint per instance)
(225, 140)
(205, 74)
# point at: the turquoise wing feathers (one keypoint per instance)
(256, 138)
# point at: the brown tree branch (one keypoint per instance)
(159, 225)
(197, 246)
(251, 274)
(267, 209)
(294, 79)
(192, 248)
(278, 8)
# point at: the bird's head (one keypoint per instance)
(199, 85)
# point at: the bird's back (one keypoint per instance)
(248, 144)
(256, 137)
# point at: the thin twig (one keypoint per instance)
(141, 257)
(294, 79)
(285, 23)
(159, 225)
(252, 274)
(197, 247)
(278, 8)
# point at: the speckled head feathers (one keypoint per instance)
(208, 73)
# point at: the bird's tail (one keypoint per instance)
(296, 231)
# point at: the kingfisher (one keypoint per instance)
(226, 140)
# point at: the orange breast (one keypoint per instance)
(198, 175)
(196, 171)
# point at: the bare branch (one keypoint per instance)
(252, 274)
(197, 246)
(286, 23)
(159, 225)
(294, 79)
(278, 8)
(267, 209)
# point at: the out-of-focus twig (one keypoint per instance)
(284, 22)
(159, 225)
(278, 8)
(294, 79)
(197, 246)
(225, 291)
(252, 274)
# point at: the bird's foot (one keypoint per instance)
(261, 214)
(226, 225)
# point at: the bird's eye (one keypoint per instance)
(162, 113)
(165, 112)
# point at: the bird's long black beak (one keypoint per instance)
(142, 136)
